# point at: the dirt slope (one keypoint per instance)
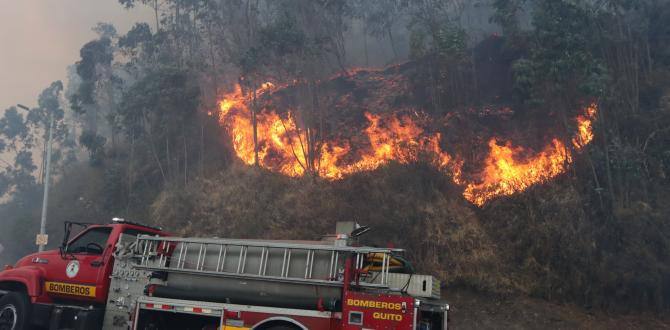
(476, 311)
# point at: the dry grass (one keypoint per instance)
(547, 242)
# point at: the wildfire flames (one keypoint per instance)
(283, 147)
(505, 175)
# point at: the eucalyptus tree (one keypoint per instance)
(50, 107)
(16, 143)
(158, 111)
(380, 19)
(99, 86)
(20, 136)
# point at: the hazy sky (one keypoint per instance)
(40, 38)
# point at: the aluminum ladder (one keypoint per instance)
(310, 262)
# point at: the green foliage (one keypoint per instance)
(49, 105)
(161, 103)
(284, 47)
(18, 139)
(417, 44)
(444, 39)
(105, 30)
(277, 40)
(95, 145)
(127, 3)
(283, 37)
(562, 29)
(114, 189)
(524, 76)
(139, 36)
(94, 53)
(450, 41)
(24, 162)
(507, 16)
(379, 15)
(12, 125)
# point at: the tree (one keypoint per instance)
(161, 107)
(507, 16)
(49, 105)
(380, 18)
(94, 68)
(154, 4)
(18, 137)
(16, 140)
(95, 144)
(295, 48)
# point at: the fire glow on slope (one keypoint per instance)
(505, 175)
(282, 147)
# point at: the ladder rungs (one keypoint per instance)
(272, 260)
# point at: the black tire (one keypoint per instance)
(283, 327)
(15, 311)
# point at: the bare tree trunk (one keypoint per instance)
(158, 161)
(254, 109)
(202, 150)
(295, 155)
(391, 40)
(212, 59)
(365, 42)
(156, 15)
(321, 129)
(185, 161)
(608, 169)
(155, 154)
(475, 82)
(194, 28)
(130, 171)
(316, 131)
(167, 156)
(597, 182)
(179, 34)
(248, 18)
(650, 61)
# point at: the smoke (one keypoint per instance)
(41, 38)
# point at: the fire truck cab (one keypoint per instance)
(69, 283)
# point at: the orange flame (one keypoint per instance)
(505, 175)
(282, 147)
(585, 127)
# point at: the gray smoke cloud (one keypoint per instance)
(40, 38)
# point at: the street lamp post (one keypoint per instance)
(42, 238)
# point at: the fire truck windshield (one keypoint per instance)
(91, 242)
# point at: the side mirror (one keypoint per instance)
(66, 236)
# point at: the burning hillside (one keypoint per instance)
(370, 121)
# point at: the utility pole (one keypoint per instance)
(42, 238)
(45, 199)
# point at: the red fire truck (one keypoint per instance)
(125, 275)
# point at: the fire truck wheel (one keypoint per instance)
(283, 327)
(14, 311)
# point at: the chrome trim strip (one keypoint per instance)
(234, 307)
